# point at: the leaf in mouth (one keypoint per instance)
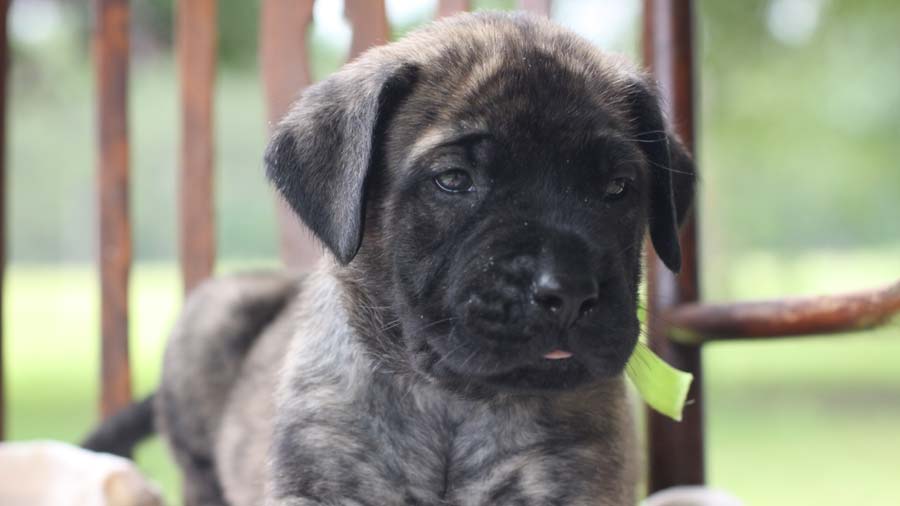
(662, 387)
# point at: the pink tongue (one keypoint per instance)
(558, 355)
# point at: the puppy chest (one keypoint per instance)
(435, 461)
(475, 472)
(394, 443)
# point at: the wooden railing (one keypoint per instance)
(110, 45)
(678, 324)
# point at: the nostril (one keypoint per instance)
(567, 298)
(549, 301)
(587, 306)
(549, 292)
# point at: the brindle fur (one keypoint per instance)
(334, 389)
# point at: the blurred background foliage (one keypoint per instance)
(799, 148)
(799, 121)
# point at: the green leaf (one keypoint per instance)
(662, 387)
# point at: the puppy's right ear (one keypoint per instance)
(672, 171)
(322, 151)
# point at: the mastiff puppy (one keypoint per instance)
(482, 187)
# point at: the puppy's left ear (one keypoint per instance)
(324, 149)
(671, 168)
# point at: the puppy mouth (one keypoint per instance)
(558, 354)
(559, 369)
(545, 376)
(558, 360)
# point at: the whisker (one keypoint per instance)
(464, 362)
(446, 356)
(436, 322)
(670, 169)
(391, 324)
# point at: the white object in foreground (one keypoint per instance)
(691, 496)
(49, 473)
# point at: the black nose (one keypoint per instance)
(565, 296)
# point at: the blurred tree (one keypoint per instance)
(799, 125)
(801, 118)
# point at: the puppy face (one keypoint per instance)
(492, 192)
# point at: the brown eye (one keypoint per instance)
(616, 188)
(454, 181)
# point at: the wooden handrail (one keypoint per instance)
(695, 324)
(196, 46)
(111, 43)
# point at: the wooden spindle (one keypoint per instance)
(540, 7)
(4, 63)
(451, 7)
(196, 41)
(284, 59)
(370, 25)
(675, 449)
(110, 45)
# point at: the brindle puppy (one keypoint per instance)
(483, 187)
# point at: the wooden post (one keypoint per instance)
(540, 7)
(110, 41)
(285, 69)
(675, 449)
(451, 7)
(370, 25)
(4, 63)
(196, 38)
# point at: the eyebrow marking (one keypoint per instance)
(436, 137)
(624, 154)
(428, 141)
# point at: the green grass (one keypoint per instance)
(793, 422)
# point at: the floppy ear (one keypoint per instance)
(671, 169)
(322, 151)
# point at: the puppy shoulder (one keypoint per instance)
(237, 301)
(220, 322)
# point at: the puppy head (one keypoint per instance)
(489, 179)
